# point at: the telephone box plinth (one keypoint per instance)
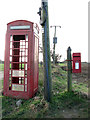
(76, 65)
(21, 59)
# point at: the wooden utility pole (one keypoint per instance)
(69, 66)
(43, 11)
(54, 43)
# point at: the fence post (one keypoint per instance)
(69, 67)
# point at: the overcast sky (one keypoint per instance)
(71, 15)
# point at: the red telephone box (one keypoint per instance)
(21, 59)
(76, 62)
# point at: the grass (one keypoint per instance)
(2, 83)
(80, 87)
(63, 64)
(39, 108)
(63, 102)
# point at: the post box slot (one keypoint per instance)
(76, 56)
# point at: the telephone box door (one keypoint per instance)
(18, 62)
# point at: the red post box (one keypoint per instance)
(21, 59)
(76, 57)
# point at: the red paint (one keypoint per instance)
(76, 64)
(22, 51)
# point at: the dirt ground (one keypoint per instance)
(83, 76)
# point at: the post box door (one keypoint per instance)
(76, 62)
(18, 62)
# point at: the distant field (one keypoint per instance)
(1, 67)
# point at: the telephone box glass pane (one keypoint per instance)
(10, 38)
(26, 44)
(26, 37)
(18, 73)
(25, 80)
(25, 88)
(21, 80)
(16, 87)
(26, 52)
(10, 51)
(10, 44)
(26, 59)
(10, 59)
(26, 67)
(9, 72)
